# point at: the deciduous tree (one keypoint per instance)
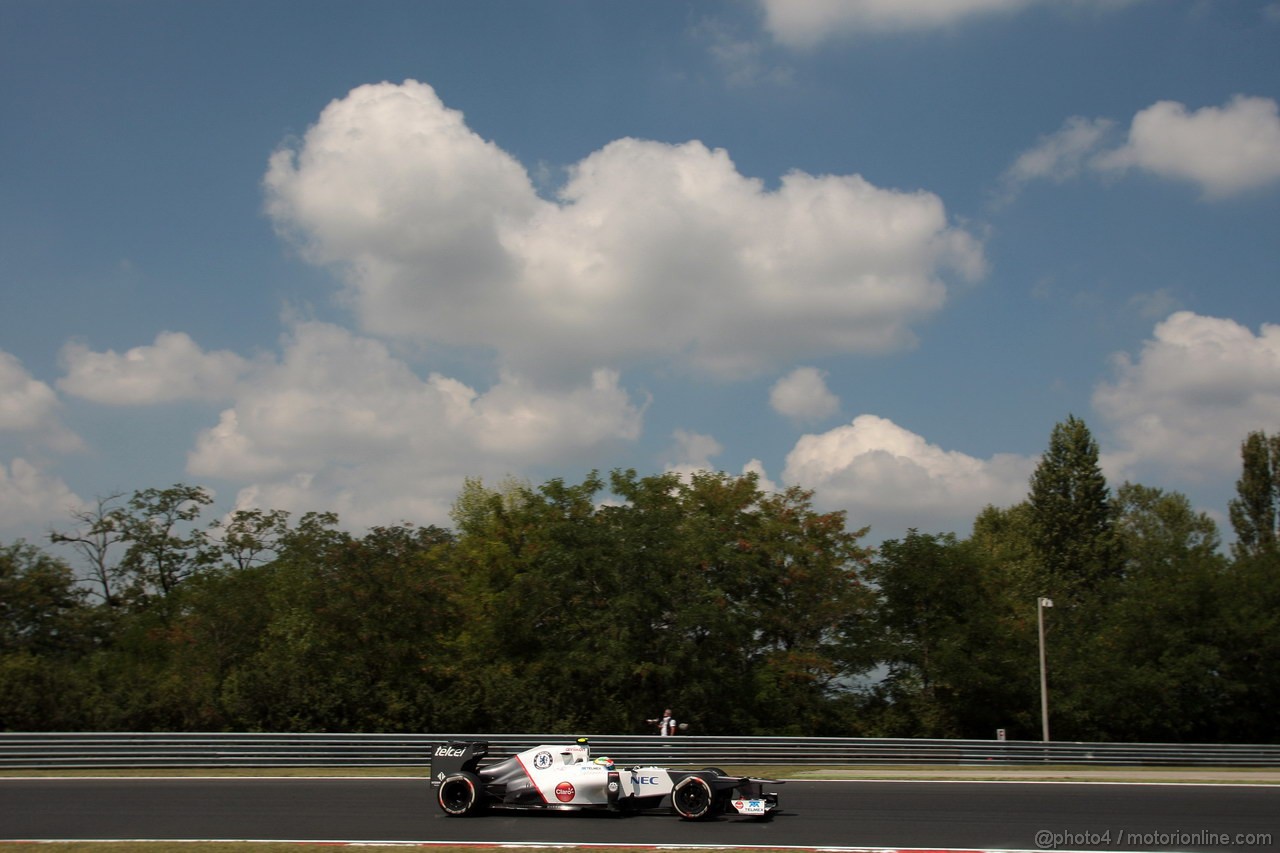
(99, 529)
(164, 547)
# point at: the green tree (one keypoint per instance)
(1253, 511)
(811, 602)
(220, 623)
(1158, 531)
(1074, 540)
(926, 591)
(652, 560)
(1156, 629)
(702, 594)
(1006, 540)
(1006, 655)
(45, 627)
(958, 655)
(1072, 521)
(249, 537)
(1246, 635)
(709, 630)
(40, 603)
(98, 531)
(513, 611)
(163, 547)
(357, 637)
(746, 605)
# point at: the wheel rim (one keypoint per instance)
(692, 797)
(456, 795)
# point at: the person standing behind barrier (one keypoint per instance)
(667, 725)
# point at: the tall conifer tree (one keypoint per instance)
(1253, 512)
(1072, 522)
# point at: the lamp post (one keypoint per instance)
(1041, 604)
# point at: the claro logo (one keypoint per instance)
(450, 752)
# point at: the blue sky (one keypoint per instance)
(341, 256)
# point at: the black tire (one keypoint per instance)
(715, 770)
(692, 798)
(461, 795)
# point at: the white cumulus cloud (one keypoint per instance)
(1199, 386)
(649, 249)
(888, 476)
(803, 396)
(755, 466)
(1224, 150)
(805, 23)
(30, 409)
(339, 422)
(173, 368)
(32, 500)
(692, 452)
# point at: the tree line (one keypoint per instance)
(590, 607)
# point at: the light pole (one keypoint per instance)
(1041, 604)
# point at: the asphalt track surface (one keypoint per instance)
(877, 814)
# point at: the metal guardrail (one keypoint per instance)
(70, 750)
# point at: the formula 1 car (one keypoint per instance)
(565, 777)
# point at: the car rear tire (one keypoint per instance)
(461, 795)
(692, 798)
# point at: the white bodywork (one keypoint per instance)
(559, 776)
(567, 776)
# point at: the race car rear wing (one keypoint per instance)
(457, 755)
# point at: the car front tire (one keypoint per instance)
(692, 798)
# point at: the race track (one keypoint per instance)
(886, 815)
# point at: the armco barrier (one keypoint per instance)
(66, 750)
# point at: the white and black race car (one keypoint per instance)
(566, 777)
